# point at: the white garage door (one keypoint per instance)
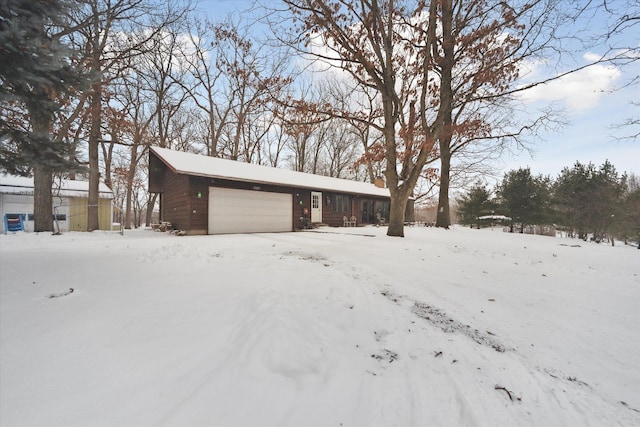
(246, 211)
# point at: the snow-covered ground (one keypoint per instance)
(331, 327)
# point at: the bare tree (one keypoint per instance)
(304, 123)
(438, 68)
(623, 24)
(235, 78)
(253, 76)
(141, 113)
(203, 89)
(342, 143)
(369, 40)
(363, 109)
(108, 33)
(299, 126)
(275, 141)
(484, 47)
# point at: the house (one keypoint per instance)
(70, 200)
(209, 195)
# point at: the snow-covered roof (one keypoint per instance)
(213, 167)
(10, 184)
(496, 217)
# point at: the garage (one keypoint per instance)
(201, 194)
(246, 211)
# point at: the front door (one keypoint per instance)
(368, 215)
(316, 207)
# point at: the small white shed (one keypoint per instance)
(70, 203)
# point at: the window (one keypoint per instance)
(340, 203)
(373, 210)
(368, 215)
(56, 217)
(382, 209)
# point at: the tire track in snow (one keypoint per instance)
(440, 319)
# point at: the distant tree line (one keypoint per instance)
(585, 201)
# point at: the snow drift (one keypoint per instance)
(321, 328)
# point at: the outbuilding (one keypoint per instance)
(208, 195)
(70, 201)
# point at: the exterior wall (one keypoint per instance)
(174, 200)
(184, 200)
(18, 204)
(542, 230)
(157, 173)
(364, 208)
(198, 204)
(301, 207)
(72, 211)
(78, 213)
(332, 215)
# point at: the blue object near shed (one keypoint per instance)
(13, 222)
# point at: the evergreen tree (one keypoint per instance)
(525, 198)
(35, 69)
(588, 199)
(571, 198)
(631, 217)
(626, 226)
(474, 204)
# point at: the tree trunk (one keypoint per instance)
(396, 215)
(94, 167)
(127, 212)
(235, 150)
(443, 217)
(107, 157)
(42, 199)
(42, 178)
(130, 176)
(372, 176)
(150, 205)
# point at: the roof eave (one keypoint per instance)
(255, 181)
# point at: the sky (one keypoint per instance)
(593, 107)
(593, 103)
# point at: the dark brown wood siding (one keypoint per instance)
(301, 207)
(175, 201)
(185, 199)
(200, 220)
(332, 214)
(157, 171)
(198, 196)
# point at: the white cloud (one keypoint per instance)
(578, 91)
(592, 57)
